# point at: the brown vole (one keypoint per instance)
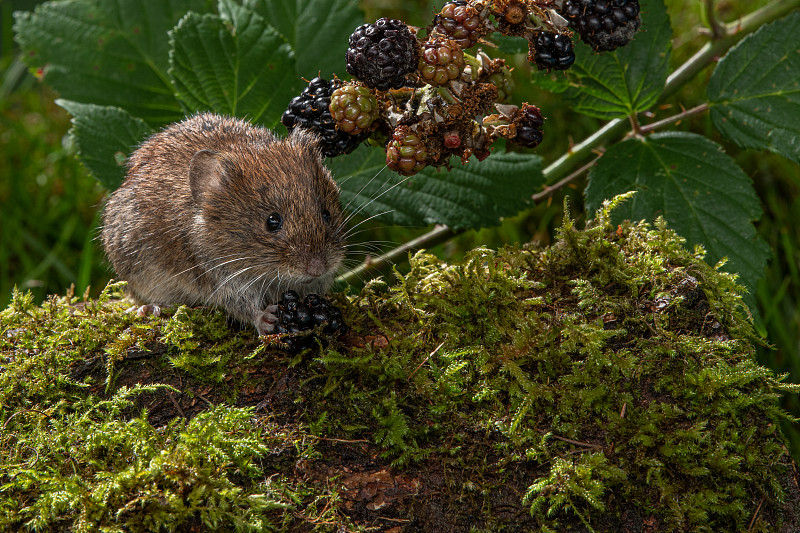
(214, 211)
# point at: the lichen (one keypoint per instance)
(607, 382)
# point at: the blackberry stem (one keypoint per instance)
(717, 28)
(674, 118)
(636, 129)
(611, 130)
(550, 189)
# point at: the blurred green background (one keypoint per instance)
(49, 205)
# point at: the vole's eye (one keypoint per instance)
(326, 216)
(274, 222)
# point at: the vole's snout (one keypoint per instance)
(316, 267)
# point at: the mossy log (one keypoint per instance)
(606, 383)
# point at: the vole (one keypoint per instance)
(215, 211)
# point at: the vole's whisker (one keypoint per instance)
(402, 181)
(243, 290)
(228, 279)
(184, 271)
(364, 187)
(349, 232)
(225, 263)
(373, 243)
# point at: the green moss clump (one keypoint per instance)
(605, 383)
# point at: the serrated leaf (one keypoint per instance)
(625, 81)
(105, 135)
(238, 66)
(754, 91)
(474, 195)
(701, 192)
(318, 31)
(107, 53)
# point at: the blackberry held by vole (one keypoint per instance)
(214, 211)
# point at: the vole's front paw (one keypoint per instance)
(266, 320)
(149, 309)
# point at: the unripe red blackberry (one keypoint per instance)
(354, 108)
(381, 54)
(405, 152)
(551, 51)
(311, 110)
(441, 61)
(529, 122)
(603, 24)
(296, 316)
(460, 22)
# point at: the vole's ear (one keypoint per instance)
(205, 173)
(305, 140)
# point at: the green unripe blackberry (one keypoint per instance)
(441, 61)
(461, 22)
(405, 152)
(603, 24)
(381, 54)
(354, 108)
(504, 82)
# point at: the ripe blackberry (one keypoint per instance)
(354, 108)
(296, 316)
(441, 61)
(310, 110)
(551, 51)
(381, 54)
(603, 24)
(405, 152)
(529, 122)
(460, 22)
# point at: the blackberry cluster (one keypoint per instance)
(296, 316)
(604, 25)
(381, 54)
(311, 111)
(460, 22)
(442, 101)
(551, 51)
(441, 61)
(354, 108)
(405, 152)
(529, 122)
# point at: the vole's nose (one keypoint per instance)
(315, 267)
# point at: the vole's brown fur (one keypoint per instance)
(189, 223)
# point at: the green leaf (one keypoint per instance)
(107, 53)
(474, 195)
(754, 91)
(510, 44)
(619, 83)
(235, 64)
(105, 135)
(700, 191)
(318, 31)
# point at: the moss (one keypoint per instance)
(605, 383)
